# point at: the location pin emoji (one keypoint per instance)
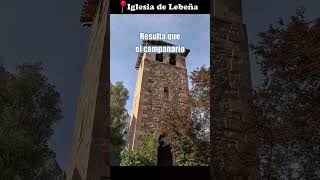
(123, 4)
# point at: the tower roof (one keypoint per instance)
(228, 9)
(89, 9)
(155, 43)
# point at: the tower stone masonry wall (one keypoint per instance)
(231, 86)
(150, 100)
(89, 153)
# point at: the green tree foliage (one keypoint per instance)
(143, 156)
(288, 101)
(200, 100)
(29, 107)
(187, 128)
(119, 117)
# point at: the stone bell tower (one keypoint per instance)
(162, 78)
(230, 94)
(90, 148)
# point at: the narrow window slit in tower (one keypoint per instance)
(159, 57)
(172, 59)
(166, 93)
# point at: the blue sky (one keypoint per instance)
(124, 37)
